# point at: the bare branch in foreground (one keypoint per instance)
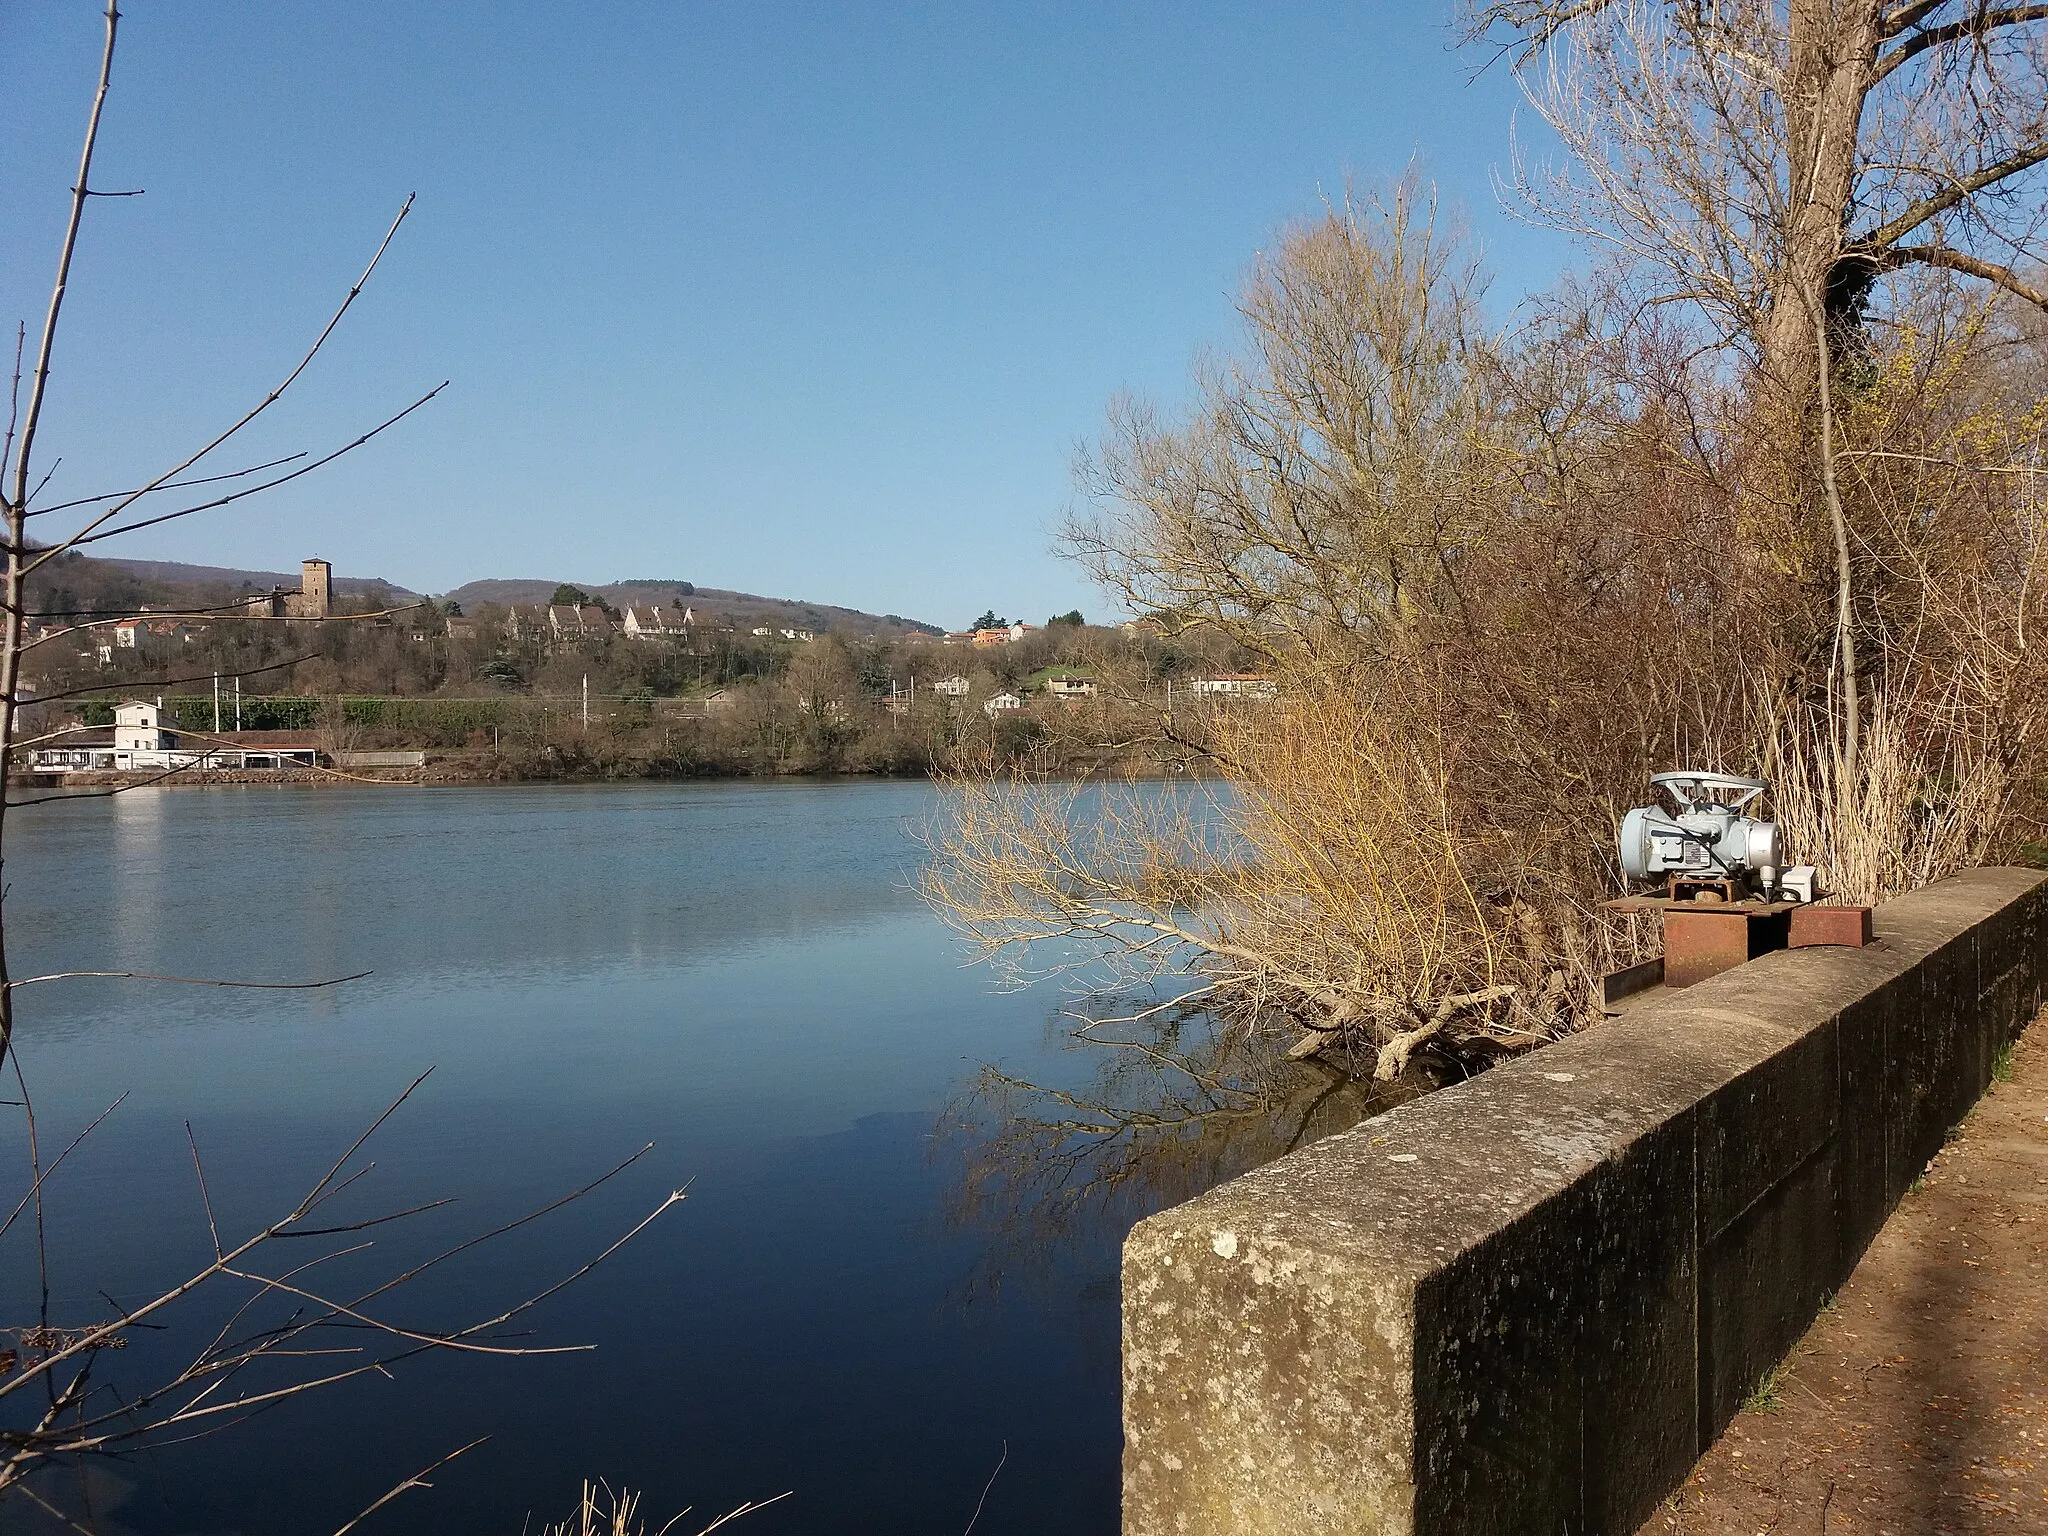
(417, 1480)
(193, 981)
(168, 476)
(280, 1326)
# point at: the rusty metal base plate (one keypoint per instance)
(1703, 941)
(1846, 926)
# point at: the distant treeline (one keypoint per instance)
(495, 700)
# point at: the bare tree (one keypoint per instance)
(1317, 499)
(1342, 891)
(1498, 578)
(1764, 155)
(1769, 164)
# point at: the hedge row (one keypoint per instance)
(286, 712)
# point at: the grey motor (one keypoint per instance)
(1705, 845)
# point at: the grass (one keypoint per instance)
(1768, 1395)
(2001, 1064)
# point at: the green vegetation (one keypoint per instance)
(1768, 1394)
(2001, 1064)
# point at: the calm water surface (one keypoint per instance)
(738, 973)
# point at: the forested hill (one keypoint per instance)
(161, 582)
(176, 574)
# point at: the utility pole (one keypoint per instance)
(586, 703)
(216, 703)
(238, 701)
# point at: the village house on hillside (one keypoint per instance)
(1064, 682)
(650, 622)
(1006, 635)
(145, 633)
(567, 623)
(1234, 685)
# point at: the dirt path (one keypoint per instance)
(1919, 1403)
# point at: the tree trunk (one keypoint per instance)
(1831, 55)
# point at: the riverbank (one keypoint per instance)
(490, 768)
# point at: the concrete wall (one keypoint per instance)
(1527, 1303)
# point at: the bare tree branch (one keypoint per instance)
(417, 1480)
(355, 291)
(1972, 266)
(195, 981)
(171, 485)
(1976, 25)
(87, 535)
(1959, 190)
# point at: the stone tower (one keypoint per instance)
(314, 595)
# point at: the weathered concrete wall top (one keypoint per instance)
(1525, 1304)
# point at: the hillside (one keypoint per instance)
(745, 610)
(170, 581)
(174, 573)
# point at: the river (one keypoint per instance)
(740, 973)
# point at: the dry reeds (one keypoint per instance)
(603, 1512)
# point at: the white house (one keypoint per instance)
(954, 687)
(641, 623)
(1234, 685)
(996, 704)
(138, 728)
(139, 743)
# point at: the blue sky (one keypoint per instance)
(810, 300)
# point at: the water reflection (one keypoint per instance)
(136, 925)
(453, 888)
(1184, 1099)
(740, 973)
